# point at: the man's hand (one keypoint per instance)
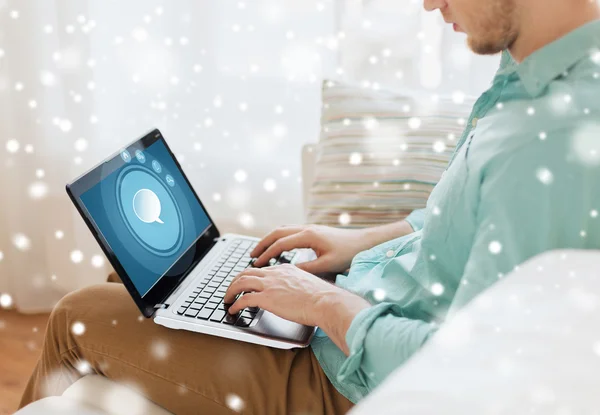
(284, 290)
(334, 247)
(295, 295)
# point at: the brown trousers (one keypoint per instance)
(184, 372)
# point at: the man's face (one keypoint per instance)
(490, 25)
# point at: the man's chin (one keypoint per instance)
(483, 48)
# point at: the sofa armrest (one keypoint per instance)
(528, 344)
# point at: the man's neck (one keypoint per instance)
(545, 21)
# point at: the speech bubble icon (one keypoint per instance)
(146, 206)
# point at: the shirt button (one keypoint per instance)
(389, 253)
(474, 122)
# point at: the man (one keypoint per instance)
(522, 181)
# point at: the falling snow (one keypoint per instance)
(370, 123)
(246, 220)
(76, 256)
(82, 366)
(544, 175)
(414, 123)
(270, 185)
(355, 159)
(439, 146)
(344, 219)
(279, 130)
(585, 144)
(458, 97)
(81, 144)
(21, 242)
(159, 349)
(379, 294)
(234, 402)
(240, 176)
(6, 300)
(437, 289)
(78, 328)
(12, 146)
(37, 190)
(47, 78)
(495, 247)
(97, 261)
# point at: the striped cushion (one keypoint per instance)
(380, 153)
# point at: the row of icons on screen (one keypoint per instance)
(141, 157)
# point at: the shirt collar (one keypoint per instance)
(540, 68)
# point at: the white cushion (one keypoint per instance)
(528, 345)
(95, 395)
(380, 153)
(57, 405)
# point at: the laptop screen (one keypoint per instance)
(147, 213)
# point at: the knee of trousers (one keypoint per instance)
(67, 311)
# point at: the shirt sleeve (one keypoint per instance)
(416, 219)
(380, 340)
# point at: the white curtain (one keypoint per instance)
(396, 43)
(233, 85)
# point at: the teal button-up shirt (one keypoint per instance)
(524, 179)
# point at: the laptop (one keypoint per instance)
(161, 241)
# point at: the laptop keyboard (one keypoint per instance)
(206, 300)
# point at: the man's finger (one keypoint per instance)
(297, 240)
(257, 272)
(247, 300)
(243, 284)
(316, 266)
(273, 236)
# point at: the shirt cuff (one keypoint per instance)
(355, 337)
(416, 219)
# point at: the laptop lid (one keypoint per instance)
(146, 217)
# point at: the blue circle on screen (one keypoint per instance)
(156, 166)
(164, 238)
(140, 156)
